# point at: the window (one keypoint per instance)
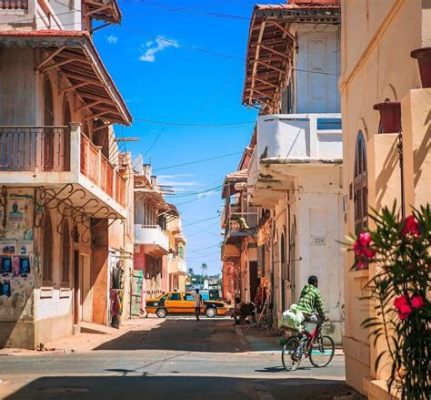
(65, 253)
(47, 250)
(175, 296)
(360, 185)
(189, 297)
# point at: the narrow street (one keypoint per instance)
(179, 358)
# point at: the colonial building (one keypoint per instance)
(239, 249)
(63, 183)
(294, 174)
(176, 259)
(382, 43)
(151, 238)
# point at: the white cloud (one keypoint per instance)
(112, 39)
(152, 47)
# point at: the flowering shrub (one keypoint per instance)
(401, 251)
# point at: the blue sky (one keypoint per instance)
(158, 59)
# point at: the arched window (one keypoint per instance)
(48, 120)
(360, 185)
(65, 253)
(67, 119)
(47, 250)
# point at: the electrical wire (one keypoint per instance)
(185, 10)
(200, 221)
(196, 192)
(193, 125)
(198, 161)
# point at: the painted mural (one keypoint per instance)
(17, 272)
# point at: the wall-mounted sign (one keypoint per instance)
(318, 240)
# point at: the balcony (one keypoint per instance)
(295, 139)
(58, 156)
(153, 238)
(239, 225)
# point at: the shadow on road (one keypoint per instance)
(182, 335)
(179, 388)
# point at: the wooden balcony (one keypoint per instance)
(56, 156)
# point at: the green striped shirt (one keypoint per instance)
(310, 301)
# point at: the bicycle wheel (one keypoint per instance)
(322, 351)
(290, 362)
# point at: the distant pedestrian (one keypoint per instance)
(198, 304)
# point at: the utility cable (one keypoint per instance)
(198, 161)
(193, 125)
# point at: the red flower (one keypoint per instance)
(401, 301)
(417, 301)
(402, 304)
(411, 226)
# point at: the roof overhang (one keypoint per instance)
(73, 54)
(271, 45)
(230, 181)
(105, 10)
(153, 198)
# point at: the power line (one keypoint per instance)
(196, 193)
(203, 249)
(200, 221)
(185, 10)
(195, 125)
(198, 161)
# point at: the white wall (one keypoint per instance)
(320, 228)
(299, 137)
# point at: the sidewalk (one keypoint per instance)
(91, 336)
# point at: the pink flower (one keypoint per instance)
(417, 301)
(411, 226)
(363, 252)
(364, 239)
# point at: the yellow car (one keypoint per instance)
(183, 303)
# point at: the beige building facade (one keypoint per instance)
(64, 185)
(377, 67)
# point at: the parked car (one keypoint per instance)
(210, 294)
(183, 303)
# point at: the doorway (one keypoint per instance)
(87, 292)
(77, 287)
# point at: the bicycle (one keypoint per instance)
(308, 343)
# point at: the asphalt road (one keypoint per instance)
(181, 359)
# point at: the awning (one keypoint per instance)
(271, 47)
(73, 54)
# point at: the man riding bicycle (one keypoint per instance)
(310, 302)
